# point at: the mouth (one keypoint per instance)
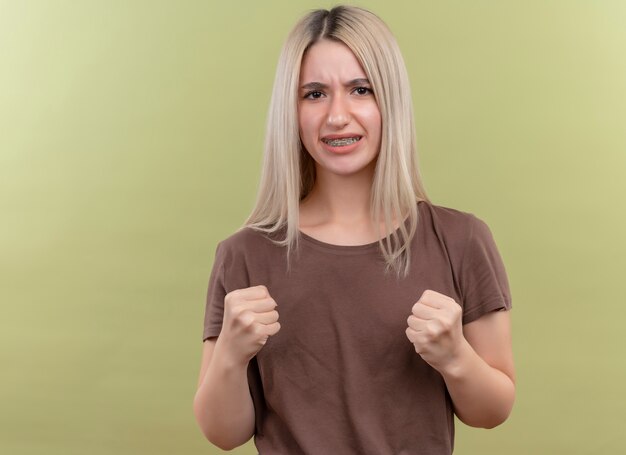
(342, 141)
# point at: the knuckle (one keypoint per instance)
(236, 311)
(235, 292)
(434, 328)
(446, 325)
(245, 318)
(232, 298)
(260, 341)
(429, 293)
(258, 330)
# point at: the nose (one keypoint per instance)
(338, 113)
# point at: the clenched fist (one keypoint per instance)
(435, 329)
(250, 318)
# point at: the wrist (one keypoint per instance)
(225, 360)
(456, 366)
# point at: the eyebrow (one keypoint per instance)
(320, 86)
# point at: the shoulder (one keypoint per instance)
(246, 253)
(243, 241)
(453, 223)
(461, 231)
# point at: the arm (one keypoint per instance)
(481, 380)
(475, 360)
(222, 405)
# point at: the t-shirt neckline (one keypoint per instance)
(345, 249)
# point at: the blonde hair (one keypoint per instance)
(288, 171)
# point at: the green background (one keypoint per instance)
(131, 139)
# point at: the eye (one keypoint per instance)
(313, 95)
(363, 90)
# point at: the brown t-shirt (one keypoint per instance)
(341, 376)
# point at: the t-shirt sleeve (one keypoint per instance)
(214, 309)
(483, 277)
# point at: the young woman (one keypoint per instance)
(392, 309)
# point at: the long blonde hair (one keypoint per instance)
(288, 171)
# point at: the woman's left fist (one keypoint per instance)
(435, 329)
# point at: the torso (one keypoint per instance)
(343, 337)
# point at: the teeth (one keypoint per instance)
(341, 142)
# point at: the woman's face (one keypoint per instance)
(339, 120)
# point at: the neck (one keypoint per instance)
(339, 200)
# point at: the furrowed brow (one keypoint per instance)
(314, 86)
(321, 86)
(357, 81)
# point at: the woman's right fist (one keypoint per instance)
(250, 318)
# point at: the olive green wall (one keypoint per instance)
(130, 143)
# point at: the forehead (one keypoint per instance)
(330, 60)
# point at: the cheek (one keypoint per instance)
(374, 121)
(305, 134)
(371, 116)
(307, 124)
